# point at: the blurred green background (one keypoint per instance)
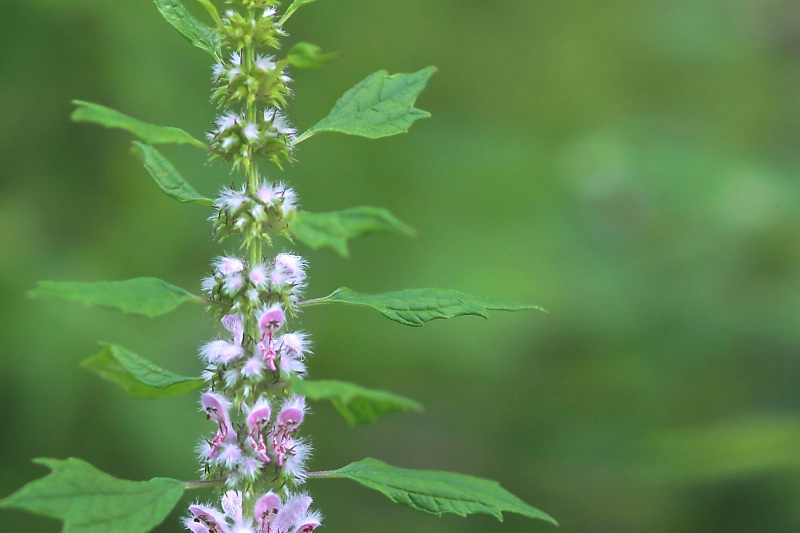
(631, 166)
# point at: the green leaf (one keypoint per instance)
(167, 176)
(91, 501)
(414, 307)
(434, 492)
(307, 55)
(212, 10)
(356, 404)
(139, 377)
(195, 31)
(105, 116)
(379, 106)
(294, 6)
(139, 296)
(335, 228)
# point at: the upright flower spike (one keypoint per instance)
(254, 295)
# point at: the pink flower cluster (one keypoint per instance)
(243, 455)
(271, 515)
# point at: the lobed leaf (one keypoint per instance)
(139, 296)
(379, 106)
(192, 29)
(436, 493)
(167, 176)
(307, 55)
(414, 307)
(105, 116)
(91, 501)
(139, 377)
(335, 228)
(355, 403)
(294, 6)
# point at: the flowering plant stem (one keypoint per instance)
(254, 377)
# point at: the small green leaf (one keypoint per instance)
(195, 31)
(335, 228)
(436, 493)
(139, 296)
(105, 116)
(379, 106)
(167, 176)
(212, 10)
(414, 307)
(91, 501)
(356, 404)
(294, 6)
(139, 377)
(307, 55)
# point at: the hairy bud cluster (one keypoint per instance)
(239, 32)
(262, 81)
(237, 139)
(239, 287)
(254, 215)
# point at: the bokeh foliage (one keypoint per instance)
(631, 167)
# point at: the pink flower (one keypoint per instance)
(216, 408)
(289, 420)
(266, 510)
(257, 419)
(205, 519)
(233, 323)
(270, 320)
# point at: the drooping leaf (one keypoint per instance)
(414, 307)
(379, 106)
(195, 31)
(307, 55)
(139, 377)
(434, 492)
(356, 404)
(335, 228)
(294, 6)
(167, 176)
(105, 116)
(91, 501)
(139, 296)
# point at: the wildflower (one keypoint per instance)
(270, 320)
(289, 420)
(257, 419)
(216, 408)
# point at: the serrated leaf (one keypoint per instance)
(105, 116)
(414, 307)
(307, 55)
(335, 228)
(167, 176)
(379, 106)
(294, 6)
(139, 377)
(192, 29)
(436, 493)
(139, 296)
(91, 501)
(355, 403)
